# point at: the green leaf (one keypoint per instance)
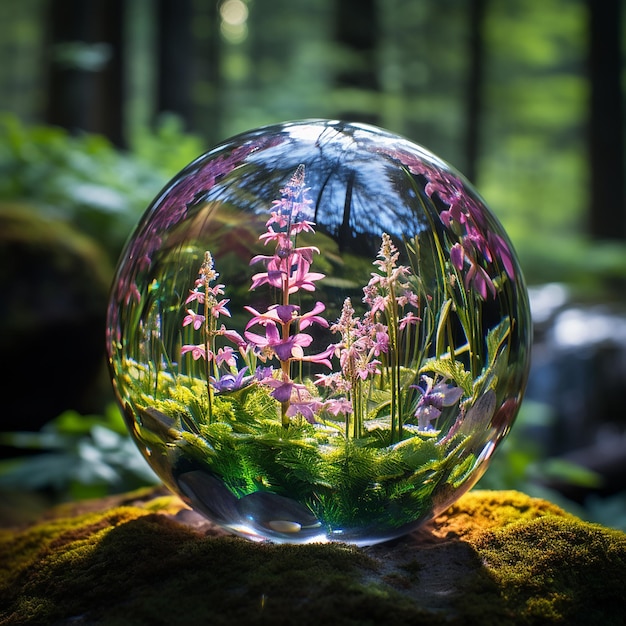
(454, 370)
(416, 452)
(495, 338)
(441, 335)
(571, 473)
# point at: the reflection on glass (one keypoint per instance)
(318, 331)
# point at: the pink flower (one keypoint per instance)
(312, 317)
(408, 320)
(291, 272)
(502, 252)
(379, 303)
(478, 279)
(454, 213)
(302, 278)
(367, 369)
(278, 217)
(301, 227)
(197, 352)
(278, 313)
(281, 238)
(226, 355)
(380, 343)
(219, 308)
(408, 297)
(339, 405)
(131, 293)
(216, 290)
(195, 294)
(323, 358)
(233, 336)
(193, 318)
(332, 381)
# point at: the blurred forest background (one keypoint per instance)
(103, 101)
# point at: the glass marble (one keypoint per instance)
(318, 331)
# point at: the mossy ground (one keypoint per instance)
(492, 558)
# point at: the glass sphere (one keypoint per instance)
(318, 332)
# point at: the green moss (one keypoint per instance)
(492, 558)
(558, 567)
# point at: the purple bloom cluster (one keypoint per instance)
(479, 251)
(171, 211)
(368, 347)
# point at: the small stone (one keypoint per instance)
(284, 526)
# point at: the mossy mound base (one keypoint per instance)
(492, 558)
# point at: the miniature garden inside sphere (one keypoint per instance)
(319, 332)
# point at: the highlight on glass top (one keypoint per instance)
(319, 332)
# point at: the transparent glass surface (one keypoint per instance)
(319, 332)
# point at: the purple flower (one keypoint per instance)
(282, 388)
(307, 409)
(263, 373)
(433, 399)
(457, 256)
(284, 349)
(287, 270)
(304, 403)
(231, 382)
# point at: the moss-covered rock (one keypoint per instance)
(492, 558)
(55, 283)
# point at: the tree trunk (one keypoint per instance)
(607, 213)
(208, 102)
(85, 90)
(477, 11)
(357, 35)
(175, 59)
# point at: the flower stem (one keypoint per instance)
(394, 358)
(207, 366)
(357, 425)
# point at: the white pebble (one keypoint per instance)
(284, 526)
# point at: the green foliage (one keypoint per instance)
(521, 462)
(167, 148)
(78, 456)
(84, 179)
(343, 481)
